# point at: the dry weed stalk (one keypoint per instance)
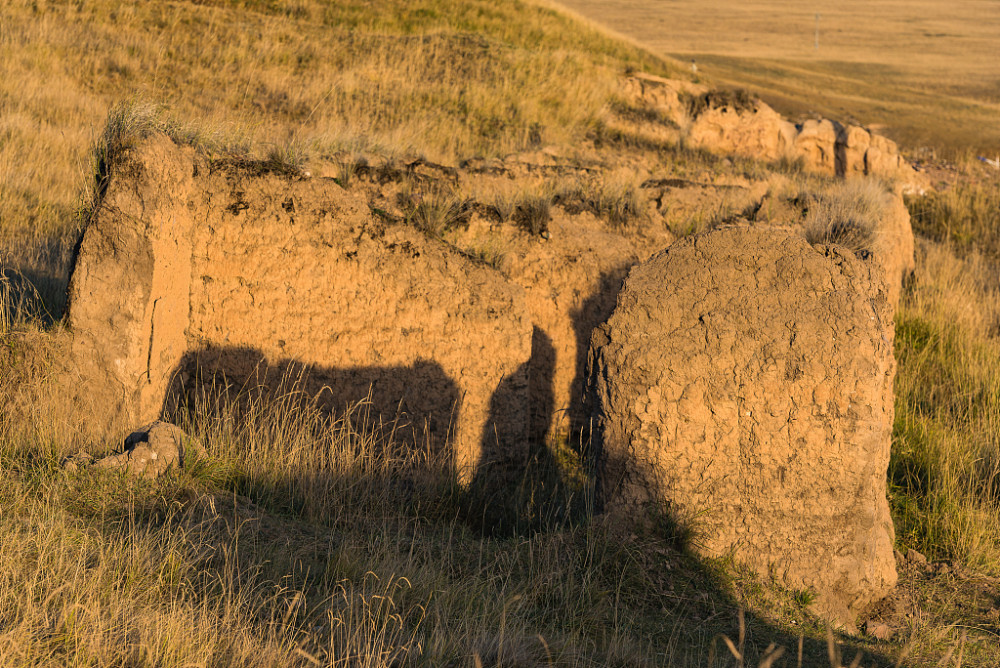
(5, 302)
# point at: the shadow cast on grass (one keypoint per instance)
(349, 484)
(34, 275)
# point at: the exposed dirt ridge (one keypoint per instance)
(735, 123)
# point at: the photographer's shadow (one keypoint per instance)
(521, 488)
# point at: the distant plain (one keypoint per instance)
(926, 72)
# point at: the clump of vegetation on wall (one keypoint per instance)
(847, 215)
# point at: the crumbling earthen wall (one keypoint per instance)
(189, 255)
(759, 132)
(894, 246)
(745, 379)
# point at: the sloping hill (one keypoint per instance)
(502, 131)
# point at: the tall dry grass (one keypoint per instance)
(155, 582)
(445, 79)
(945, 470)
(303, 539)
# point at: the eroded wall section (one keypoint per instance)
(190, 263)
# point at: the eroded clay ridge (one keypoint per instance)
(191, 267)
(745, 379)
(735, 123)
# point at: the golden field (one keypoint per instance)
(924, 71)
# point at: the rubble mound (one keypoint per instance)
(189, 262)
(745, 380)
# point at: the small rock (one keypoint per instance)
(878, 630)
(80, 460)
(915, 557)
(900, 559)
(153, 450)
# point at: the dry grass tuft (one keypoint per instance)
(533, 213)
(435, 211)
(489, 250)
(617, 199)
(620, 201)
(739, 100)
(847, 215)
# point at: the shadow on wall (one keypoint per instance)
(573, 423)
(415, 404)
(541, 379)
(528, 492)
(515, 488)
(615, 472)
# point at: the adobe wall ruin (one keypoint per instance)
(745, 380)
(193, 263)
(755, 130)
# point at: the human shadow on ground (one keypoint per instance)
(520, 488)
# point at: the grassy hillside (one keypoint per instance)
(447, 79)
(293, 544)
